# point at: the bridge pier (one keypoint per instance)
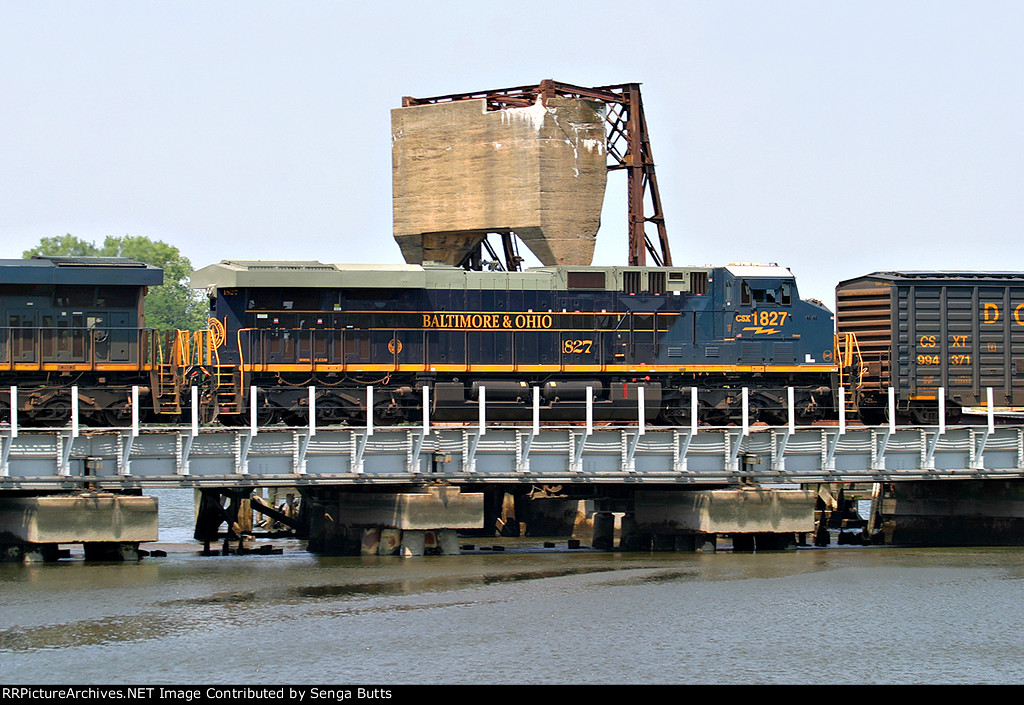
(419, 521)
(692, 520)
(952, 513)
(109, 526)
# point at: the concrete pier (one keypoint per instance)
(953, 513)
(403, 523)
(755, 518)
(109, 526)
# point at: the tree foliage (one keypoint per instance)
(168, 306)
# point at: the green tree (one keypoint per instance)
(172, 304)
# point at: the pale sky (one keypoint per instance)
(834, 138)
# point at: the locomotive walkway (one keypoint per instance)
(193, 456)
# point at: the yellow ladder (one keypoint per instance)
(851, 366)
(170, 372)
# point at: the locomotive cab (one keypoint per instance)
(765, 316)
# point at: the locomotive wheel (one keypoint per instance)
(294, 417)
(871, 415)
(761, 410)
(233, 420)
(717, 417)
(114, 416)
(332, 412)
(872, 409)
(267, 415)
(675, 417)
(388, 415)
(55, 411)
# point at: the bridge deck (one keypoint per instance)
(194, 457)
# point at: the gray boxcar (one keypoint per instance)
(922, 332)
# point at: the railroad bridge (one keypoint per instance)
(947, 484)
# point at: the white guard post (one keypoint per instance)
(791, 409)
(577, 463)
(630, 464)
(246, 441)
(978, 462)
(693, 410)
(481, 429)
(6, 451)
(312, 411)
(135, 410)
(126, 448)
(641, 411)
(892, 410)
(68, 441)
(74, 411)
(830, 460)
(482, 423)
(357, 464)
(878, 463)
(590, 411)
(942, 410)
(536, 410)
(780, 458)
(426, 409)
(524, 461)
(414, 463)
(300, 464)
(187, 439)
(746, 411)
(252, 411)
(682, 442)
(929, 458)
(14, 412)
(369, 410)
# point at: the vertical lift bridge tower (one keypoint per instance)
(527, 163)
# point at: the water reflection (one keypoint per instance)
(888, 615)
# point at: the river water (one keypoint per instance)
(526, 615)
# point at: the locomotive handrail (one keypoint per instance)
(180, 348)
(36, 341)
(238, 341)
(253, 354)
(204, 349)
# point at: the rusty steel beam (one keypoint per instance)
(628, 144)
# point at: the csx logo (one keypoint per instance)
(932, 341)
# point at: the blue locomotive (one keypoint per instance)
(76, 323)
(284, 326)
